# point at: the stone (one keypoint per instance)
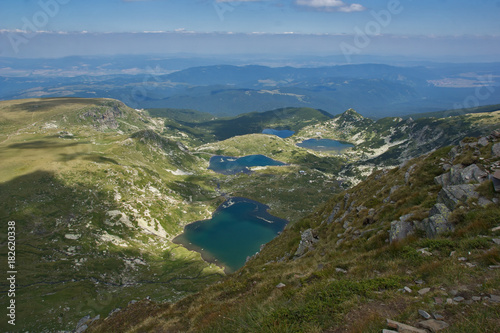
(483, 141)
(81, 329)
(340, 270)
(496, 180)
(403, 327)
(453, 195)
(462, 259)
(435, 225)
(458, 299)
(424, 291)
(496, 241)
(476, 298)
(424, 314)
(449, 301)
(388, 331)
(453, 153)
(112, 312)
(280, 285)
(400, 230)
(72, 236)
(433, 325)
(438, 300)
(483, 202)
(419, 281)
(496, 229)
(472, 173)
(407, 289)
(83, 321)
(443, 179)
(440, 209)
(437, 316)
(495, 298)
(334, 212)
(495, 150)
(308, 239)
(446, 166)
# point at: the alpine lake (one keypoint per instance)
(228, 165)
(237, 230)
(325, 145)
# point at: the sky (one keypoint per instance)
(439, 28)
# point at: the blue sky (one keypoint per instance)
(418, 22)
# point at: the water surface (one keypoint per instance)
(324, 144)
(228, 165)
(281, 133)
(236, 230)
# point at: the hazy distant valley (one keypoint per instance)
(228, 90)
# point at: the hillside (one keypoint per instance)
(254, 122)
(422, 236)
(96, 195)
(98, 191)
(391, 141)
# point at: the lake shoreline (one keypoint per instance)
(260, 213)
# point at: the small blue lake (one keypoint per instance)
(236, 230)
(324, 145)
(228, 165)
(281, 133)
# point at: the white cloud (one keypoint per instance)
(331, 5)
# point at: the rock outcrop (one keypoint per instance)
(307, 241)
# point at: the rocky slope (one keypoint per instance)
(392, 141)
(418, 244)
(97, 191)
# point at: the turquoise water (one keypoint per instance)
(324, 144)
(236, 230)
(281, 133)
(232, 165)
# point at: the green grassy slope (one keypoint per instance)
(98, 190)
(254, 122)
(96, 195)
(351, 277)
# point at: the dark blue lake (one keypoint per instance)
(281, 133)
(236, 230)
(324, 144)
(228, 165)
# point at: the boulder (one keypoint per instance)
(334, 212)
(436, 225)
(495, 150)
(483, 141)
(496, 180)
(433, 325)
(472, 173)
(400, 230)
(453, 195)
(459, 175)
(440, 209)
(308, 239)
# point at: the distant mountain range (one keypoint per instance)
(374, 90)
